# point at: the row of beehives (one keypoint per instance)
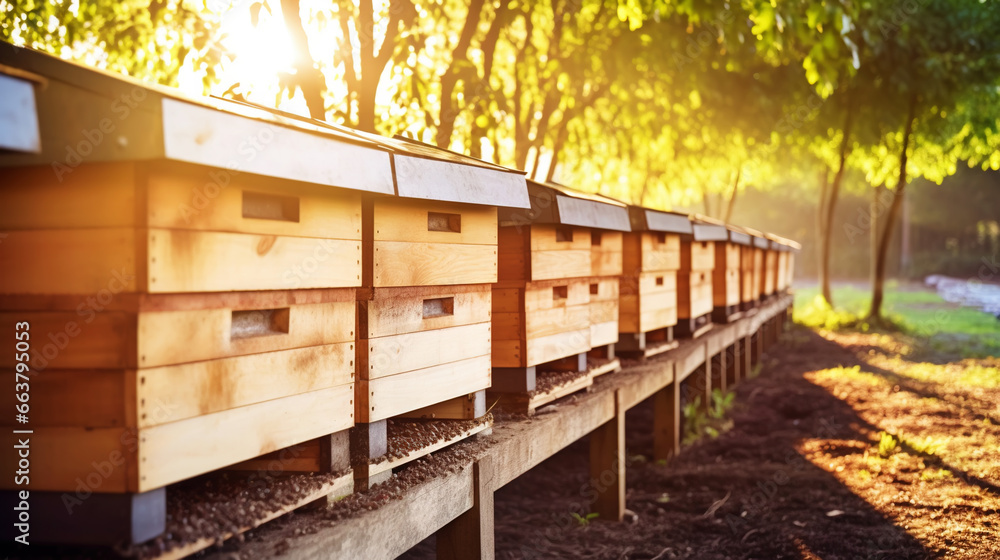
(203, 279)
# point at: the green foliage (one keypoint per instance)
(700, 422)
(887, 445)
(584, 520)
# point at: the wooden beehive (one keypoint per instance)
(771, 268)
(760, 247)
(557, 295)
(425, 331)
(188, 270)
(649, 283)
(730, 282)
(694, 280)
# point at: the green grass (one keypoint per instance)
(916, 312)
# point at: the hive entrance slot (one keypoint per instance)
(439, 221)
(595, 289)
(564, 235)
(259, 322)
(595, 238)
(439, 307)
(262, 206)
(659, 280)
(560, 292)
(661, 238)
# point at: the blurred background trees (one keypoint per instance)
(866, 128)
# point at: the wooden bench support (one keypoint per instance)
(471, 534)
(699, 386)
(369, 441)
(606, 352)
(607, 465)
(667, 422)
(90, 519)
(693, 327)
(733, 362)
(717, 375)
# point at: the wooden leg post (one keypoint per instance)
(732, 364)
(368, 441)
(470, 535)
(667, 422)
(747, 362)
(607, 465)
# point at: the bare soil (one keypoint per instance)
(800, 475)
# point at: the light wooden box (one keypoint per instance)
(695, 293)
(559, 267)
(733, 283)
(182, 384)
(649, 283)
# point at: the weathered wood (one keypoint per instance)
(369, 441)
(667, 422)
(471, 534)
(460, 408)
(514, 380)
(390, 396)
(99, 519)
(399, 263)
(607, 465)
(425, 221)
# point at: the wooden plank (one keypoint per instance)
(557, 264)
(561, 293)
(725, 287)
(545, 237)
(697, 255)
(549, 348)
(667, 422)
(75, 459)
(197, 261)
(645, 380)
(604, 263)
(509, 353)
(338, 487)
(687, 358)
(558, 320)
(466, 407)
(101, 195)
(172, 452)
(390, 355)
(390, 396)
(56, 399)
(387, 466)
(607, 465)
(694, 294)
(604, 333)
(603, 311)
(71, 261)
(173, 337)
(426, 264)
(408, 220)
(660, 252)
(171, 393)
(70, 340)
(470, 535)
(247, 204)
(389, 314)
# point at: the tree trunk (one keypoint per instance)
(732, 195)
(823, 262)
(449, 108)
(873, 236)
(878, 286)
(827, 234)
(307, 77)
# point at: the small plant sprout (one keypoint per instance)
(584, 520)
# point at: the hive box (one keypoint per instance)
(649, 283)
(424, 309)
(557, 293)
(730, 282)
(694, 280)
(188, 271)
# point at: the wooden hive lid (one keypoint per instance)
(739, 235)
(427, 172)
(85, 114)
(552, 203)
(19, 131)
(779, 243)
(647, 219)
(708, 229)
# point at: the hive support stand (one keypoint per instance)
(732, 364)
(646, 344)
(92, 518)
(693, 327)
(334, 457)
(368, 442)
(471, 534)
(667, 422)
(467, 407)
(607, 465)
